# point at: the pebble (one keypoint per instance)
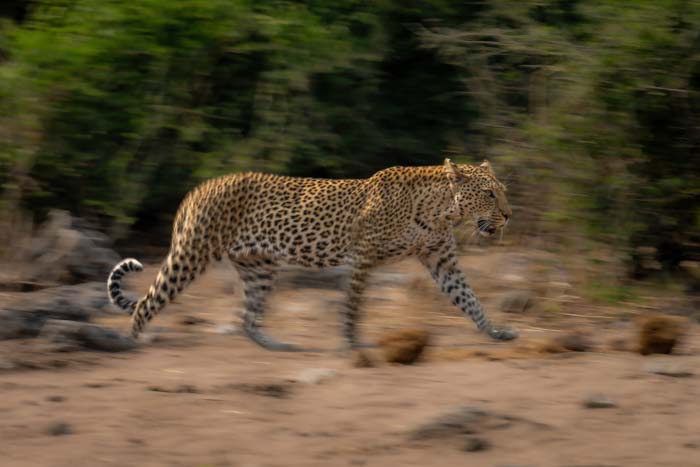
(60, 429)
(574, 342)
(599, 401)
(668, 369)
(455, 421)
(475, 444)
(314, 375)
(179, 389)
(227, 329)
(516, 301)
(190, 320)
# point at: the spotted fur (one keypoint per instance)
(261, 221)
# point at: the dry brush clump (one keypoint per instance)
(405, 346)
(660, 334)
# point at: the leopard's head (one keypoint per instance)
(477, 196)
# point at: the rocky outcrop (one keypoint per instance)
(64, 250)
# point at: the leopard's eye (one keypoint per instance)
(491, 194)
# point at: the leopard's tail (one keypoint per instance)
(175, 273)
(114, 284)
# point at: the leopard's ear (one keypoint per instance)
(487, 165)
(452, 171)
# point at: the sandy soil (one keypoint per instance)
(198, 397)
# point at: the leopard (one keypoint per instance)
(262, 222)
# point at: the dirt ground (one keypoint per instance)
(200, 395)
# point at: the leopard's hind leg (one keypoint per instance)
(258, 274)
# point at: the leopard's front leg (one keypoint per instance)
(350, 311)
(443, 266)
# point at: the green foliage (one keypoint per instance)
(601, 120)
(138, 95)
(610, 293)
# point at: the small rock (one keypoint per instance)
(460, 420)
(277, 391)
(55, 398)
(574, 341)
(404, 347)
(513, 277)
(274, 390)
(516, 301)
(190, 320)
(67, 302)
(660, 334)
(599, 401)
(97, 385)
(65, 249)
(315, 375)
(60, 429)
(99, 338)
(17, 324)
(179, 389)
(361, 359)
(147, 338)
(475, 444)
(668, 369)
(89, 336)
(227, 329)
(466, 420)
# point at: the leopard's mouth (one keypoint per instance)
(485, 228)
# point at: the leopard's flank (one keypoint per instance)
(260, 221)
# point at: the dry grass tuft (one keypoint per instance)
(405, 346)
(659, 334)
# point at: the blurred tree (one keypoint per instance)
(17, 10)
(142, 100)
(599, 122)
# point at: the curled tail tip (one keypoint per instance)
(114, 287)
(130, 264)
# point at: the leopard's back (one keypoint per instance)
(295, 220)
